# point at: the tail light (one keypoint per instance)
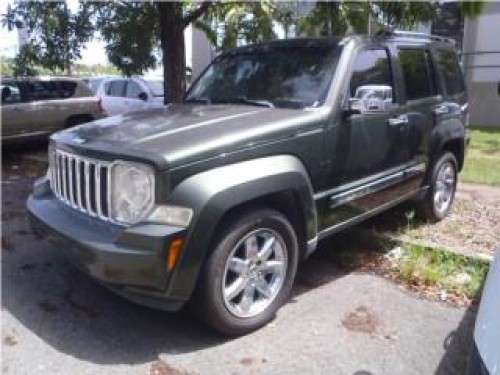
(99, 105)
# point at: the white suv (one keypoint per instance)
(122, 95)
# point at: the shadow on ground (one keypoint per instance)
(77, 316)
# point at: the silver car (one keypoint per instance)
(485, 357)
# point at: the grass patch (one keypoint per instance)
(454, 273)
(482, 164)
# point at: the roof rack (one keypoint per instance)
(411, 34)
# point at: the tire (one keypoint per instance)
(438, 200)
(217, 300)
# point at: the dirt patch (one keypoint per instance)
(163, 368)
(249, 361)
(10, 339)
(361, 320)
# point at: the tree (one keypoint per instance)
(337, 18)
(56, 35)
(228, 23)
(173, 19)
(131, 33)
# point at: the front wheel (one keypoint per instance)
(442, 187)
(249, 274)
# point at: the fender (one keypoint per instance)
(213, 193)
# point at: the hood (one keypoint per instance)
(184, 133)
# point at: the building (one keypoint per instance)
(481, 62)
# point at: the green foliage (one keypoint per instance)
(483, 157)
(130, 30)
(337, 18)
(438, 267)
(229, 23)
(56, 35)
(471, 8)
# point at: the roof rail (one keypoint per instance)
(411, 34)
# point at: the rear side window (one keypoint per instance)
(133, 90)
(418, 73)
(41, 90)
(116, 88)
(452, 75)
(66, 89)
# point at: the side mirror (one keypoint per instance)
(353, 107)
(143, 96)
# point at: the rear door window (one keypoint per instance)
(117, 88)
(41, 90)
(133, 90)
(418, 73)
(452, 75)
(66, 89)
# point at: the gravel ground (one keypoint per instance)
(56, 320)
(472, 228)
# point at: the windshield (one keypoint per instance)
(156, 87)
(279, 76)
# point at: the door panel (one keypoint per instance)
(423, 102)
(369, 144)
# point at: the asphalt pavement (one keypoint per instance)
(56, 320)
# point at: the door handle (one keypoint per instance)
(441, 110)
(398, 121)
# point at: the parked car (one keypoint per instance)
(124, 95)
(485, 356)
(34, 107)
(94, 82)
(215, 200)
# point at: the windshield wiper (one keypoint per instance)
(244, 100)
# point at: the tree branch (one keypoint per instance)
(196, 13)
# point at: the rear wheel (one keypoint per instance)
(442, 187)
(249, 274)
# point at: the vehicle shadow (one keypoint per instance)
(458, 344)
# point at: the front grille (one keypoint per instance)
(81, 183)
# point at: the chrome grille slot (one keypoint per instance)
(81, 183)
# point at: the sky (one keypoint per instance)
(93, 53)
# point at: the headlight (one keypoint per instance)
(132, 192)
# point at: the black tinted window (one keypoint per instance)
(418, 73)
(372, 71)
(117, 88)
(371, 87)
(448, 64)
(41, 90)
(66, 89)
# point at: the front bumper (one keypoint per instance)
(130, 261)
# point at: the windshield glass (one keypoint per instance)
(282, 76)
(156, 87)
